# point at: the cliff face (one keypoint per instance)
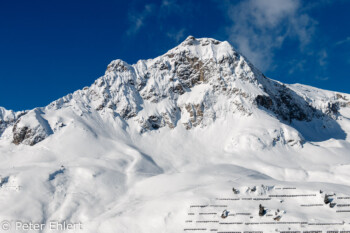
(8, 118)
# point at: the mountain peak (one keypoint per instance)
(191, 40)
(118, 65)
(205, 48)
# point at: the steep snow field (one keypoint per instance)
(159, 146)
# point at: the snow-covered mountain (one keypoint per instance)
(193, 84)
(145, 140)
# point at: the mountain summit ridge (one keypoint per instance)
(192, 84)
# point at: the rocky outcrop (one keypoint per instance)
(286, 104)
(28, 136)
(332, 109)
(264, 101)
(8, 118)
(31, 129)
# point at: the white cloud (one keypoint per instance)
(322, 78)
(169, 6)
(297, 65)
(259, 27)
(343, 41)
(177, 35)
(323, 55)
(137, 19)
(160, 12)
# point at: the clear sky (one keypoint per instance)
(51, 48)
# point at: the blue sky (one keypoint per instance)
(51, 48)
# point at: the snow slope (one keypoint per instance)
(145, 142)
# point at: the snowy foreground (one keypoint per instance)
(192, 141)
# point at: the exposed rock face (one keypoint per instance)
(286, 104)
(196, 114)
(27, 135)
(333, 109)
(31, 129)
(8, 118)
(193, 84)
(264, 101)
(19, 135)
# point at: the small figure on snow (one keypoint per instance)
(224, 214)
(326, 199)
(235, 191)
(261, 210)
